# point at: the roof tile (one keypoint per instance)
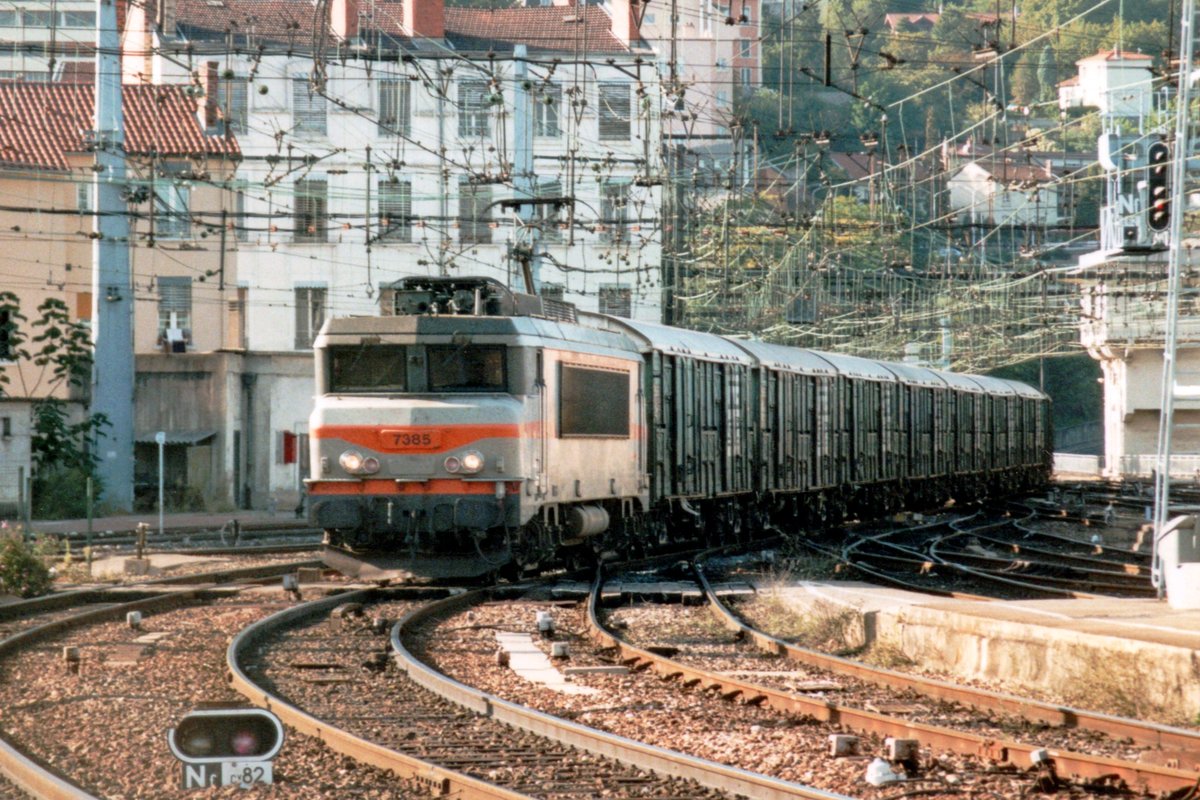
(42, 123)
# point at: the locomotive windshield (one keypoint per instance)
(367, 368)
(466, 368)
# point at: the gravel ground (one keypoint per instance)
(338, 670)
(704, 643)
(109, 722)
(643, 707)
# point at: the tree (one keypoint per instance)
(59, 351)
(1047, 74)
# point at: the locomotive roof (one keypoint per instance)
(676, 340)
(353, 329)
(787, 359)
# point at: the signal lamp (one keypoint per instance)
(1158, 157)
(227, 734)
(472, 462)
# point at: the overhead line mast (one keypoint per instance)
(1170, 390)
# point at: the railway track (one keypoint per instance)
(1084, 767)
(987, 555)
(1169, 744)
(94, 725)
(492, 749)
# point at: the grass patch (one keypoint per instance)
(820, 626)
(888, 654)
(1116, 683)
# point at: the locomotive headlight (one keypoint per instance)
(452, 464)
(472, 462)
(351, 461)
(370, 465)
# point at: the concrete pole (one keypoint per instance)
(112, 293)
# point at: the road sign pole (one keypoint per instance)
(160, 439)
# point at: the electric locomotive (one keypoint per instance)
(482, 431)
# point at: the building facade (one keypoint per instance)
(181, 280)
(383, 140)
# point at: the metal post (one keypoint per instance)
(160, 439)
(523, 172)
(1169, 391)
(21, 503)
(90, 509)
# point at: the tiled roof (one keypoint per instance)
(264, 21)
(42, 123)
(564, 29)
(1115, 55)
(930, 18)
(545, 28)
(1009, 171)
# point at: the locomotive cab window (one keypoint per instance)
(367, 368)
(593, 402)
(466, 368)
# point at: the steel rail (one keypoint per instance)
(1073, 578)
(25, 772)
(1145, 733)
(639, 754)
(1092, 561)
(438, 779)
(1150, 777)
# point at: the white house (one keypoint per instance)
(1000, 191)
(1118, 83)
(47, 41)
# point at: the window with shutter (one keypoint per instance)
(174, 309)
(311, 215)
(474, 214)
(395, 210)
(395, 110)
(310, 315)
(614, 111)
(473, 104)
(234, 100)
(308, 108)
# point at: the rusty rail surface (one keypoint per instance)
(28, 774)
(1145, 733)
(438, 779)
(639, 754)
(1148, 777)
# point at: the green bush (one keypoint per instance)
(21, 572)
(61, 493)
